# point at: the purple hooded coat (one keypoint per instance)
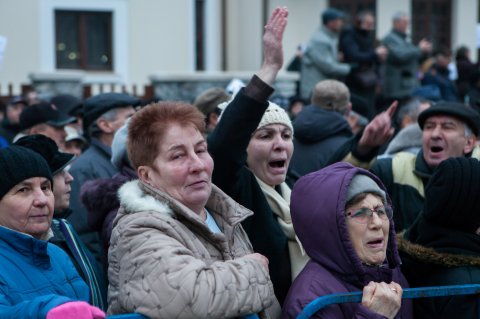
(317, 207)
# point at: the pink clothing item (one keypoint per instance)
(75, 310)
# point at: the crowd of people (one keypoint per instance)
(233, 206)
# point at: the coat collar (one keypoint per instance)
(26, 245)
(137, 196)
(429, 255)
(421, 167)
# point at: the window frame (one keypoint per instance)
(81, 17)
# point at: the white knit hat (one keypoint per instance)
(274, 114)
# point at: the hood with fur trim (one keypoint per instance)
(136, 196)
(428, 255)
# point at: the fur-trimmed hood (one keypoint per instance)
(136, 196)
(429, 255)
(133, 199)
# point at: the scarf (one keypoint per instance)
(280, 205)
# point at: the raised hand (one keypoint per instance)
(378, 131)
(272, 45)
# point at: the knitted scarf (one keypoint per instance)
(280, 205)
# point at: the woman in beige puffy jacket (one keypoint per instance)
(178, 249)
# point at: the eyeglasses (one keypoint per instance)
(363, 215)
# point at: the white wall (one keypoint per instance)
(20, 26)
(385, 11)
(161, 37)
(464, 23)
(158, 36)
(244, 34)
(303, 21)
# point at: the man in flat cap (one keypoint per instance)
(44, 118)
(320, 59)
(103, 115)
(448, 130)
(207, 102)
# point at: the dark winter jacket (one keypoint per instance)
(318, 213)
(92, 164)
(318, 134)
(228, 144)
(438, 76)
(8, 130)
(466, 70)
(442, 246)
(424, 266)
(101, 200)
(65, 237)
(359, 50)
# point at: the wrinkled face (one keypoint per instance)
(183, 167)
(28, 207)
(13, 112)
(444, 137)
(369, 240)
(269, 153)
(61, 189)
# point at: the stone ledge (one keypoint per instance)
(186, 86)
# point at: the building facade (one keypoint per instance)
(135, 42)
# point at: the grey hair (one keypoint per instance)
(411, 108)
(363, 14)
(468, 131)
(109, 116)
(399, 15)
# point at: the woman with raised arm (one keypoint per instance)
(252, 147)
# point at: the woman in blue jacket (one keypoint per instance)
(37, 279)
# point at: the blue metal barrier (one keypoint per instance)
(139, 316)
(128, 316)
(408, 293)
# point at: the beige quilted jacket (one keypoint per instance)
(165, 263)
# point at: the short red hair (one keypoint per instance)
(148, 126)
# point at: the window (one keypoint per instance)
(83, 40)
(431, 20)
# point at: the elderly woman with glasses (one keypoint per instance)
(343, 217)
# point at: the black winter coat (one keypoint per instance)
(228, 144)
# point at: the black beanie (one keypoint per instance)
(47, 147)
(452, 196)
(17, 164)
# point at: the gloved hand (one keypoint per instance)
(75, 310)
